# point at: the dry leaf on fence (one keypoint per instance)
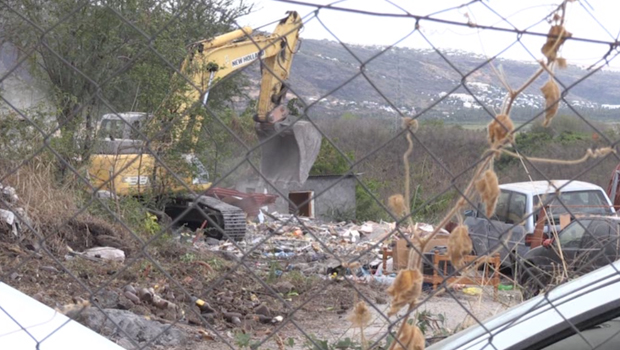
(562, 63)
(459, 245)
(488, 188)
(556, 37)
(500, 128)
(411, 338)
(551, 92)
(410, 123)
(396, 202)
(360, 317)
(405, 290)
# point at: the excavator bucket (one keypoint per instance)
(288, 156)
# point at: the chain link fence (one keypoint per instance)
(215, 254)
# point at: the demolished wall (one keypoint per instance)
(335, 195)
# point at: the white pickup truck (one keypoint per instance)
(511, 227)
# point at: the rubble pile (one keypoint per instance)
(303, 240)
(322, 248)
(204, 292)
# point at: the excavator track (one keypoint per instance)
(232, 218)
(220, 216)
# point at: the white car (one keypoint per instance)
(581, 314)
(26, 323)
(511, 227)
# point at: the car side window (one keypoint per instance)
(501, 209)
(516, 208)
(112, 129)
(135, 134)
(604, 334)
(573, 234)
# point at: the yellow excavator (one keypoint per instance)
(123, 166)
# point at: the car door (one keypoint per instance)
(612, 248)
(566, 248)
(591, 254)
(503, 237)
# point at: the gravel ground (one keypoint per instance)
(334, 327)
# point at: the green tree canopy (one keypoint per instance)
(99, 56)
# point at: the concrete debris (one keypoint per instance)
(7, 219)
(284, 287)
(276, 244)
(131, 296)
(104, 253)
(13, 219)
(9, 195)
(123, 324)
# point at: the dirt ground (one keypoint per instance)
(335, 328)
(248, 304)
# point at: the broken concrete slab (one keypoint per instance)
(105, 253)
(123, 324)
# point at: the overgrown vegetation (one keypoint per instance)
(101, 61)
(431, 169)
(437, 163)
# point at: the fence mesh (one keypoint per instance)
(264, 264)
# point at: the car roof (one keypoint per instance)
(537, 187)
(595, 217)
(127, 116)
(541, 313)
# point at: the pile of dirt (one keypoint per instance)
(235, 298)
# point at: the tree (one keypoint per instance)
(114, 54)
(330, 162)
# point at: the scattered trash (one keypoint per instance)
(385, 280)
(472, 290)
(205, 335)
(505, 287)
(203, 305)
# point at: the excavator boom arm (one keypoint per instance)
(214, 59)
(287, 152)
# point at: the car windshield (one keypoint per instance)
(577, 202)
(111, 128)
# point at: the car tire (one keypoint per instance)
(532, 281)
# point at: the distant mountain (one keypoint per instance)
(414, 80)
(339, 80)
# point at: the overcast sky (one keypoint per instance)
(591, 19)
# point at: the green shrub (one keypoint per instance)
(367, 208)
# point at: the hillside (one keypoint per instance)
(414, 79)
(411, 79)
